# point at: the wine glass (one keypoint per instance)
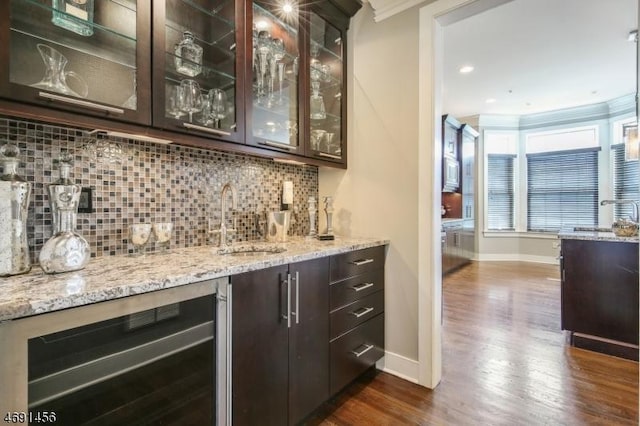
(264, 54)
(206, 113)
(162, 232)
(175, 101)
(192, 101)
(138, 236)
(218, 105)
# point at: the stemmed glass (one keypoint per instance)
(207, 111)
(192, 101)
(138, 236)
(264, 53)
(218, 105)
(279, 53)
(162, 232)
(317, 73)
(175, 101)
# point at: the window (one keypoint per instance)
(500, 202)
(562, 189)
(626, 181)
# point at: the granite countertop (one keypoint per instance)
(113, 277)
(596, 234)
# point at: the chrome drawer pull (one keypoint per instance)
(361, 312)
(361, 262)
(206, 129)
(79, 102)
(278, 145)
(362, 286)
(366, 349)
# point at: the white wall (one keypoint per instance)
(378, 194)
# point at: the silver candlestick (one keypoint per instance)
(328, 209)
(312, 217)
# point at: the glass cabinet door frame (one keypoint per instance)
(301, 95)
(159, 63)
(22, 93)
(340, 23)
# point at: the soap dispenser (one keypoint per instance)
(14, 204)
(66, 250)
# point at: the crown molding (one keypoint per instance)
(383, 9)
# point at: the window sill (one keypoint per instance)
(521, 234)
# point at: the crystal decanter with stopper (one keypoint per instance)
(66, 250)
(14, 204)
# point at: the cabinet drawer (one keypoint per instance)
(356, 351)
(348, 317)
(345, 292)
(356, 262)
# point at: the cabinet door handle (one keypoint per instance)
(81, 103)
(361, 262)
(361, 312)
(363, 286)
(362, 352)
(297, 312)
(288, 300)
(278, 145)
(206, 129)
(334, 157)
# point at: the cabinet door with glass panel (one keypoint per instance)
(195, 63)
(273, 90)
(86, 56)
(326, 90)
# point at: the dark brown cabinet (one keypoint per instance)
(269, 80)
(600, 294)
(357, 314)
(280, 335)
(95, 64)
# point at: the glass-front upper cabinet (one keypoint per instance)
(273, 82)
(195, 68)
(326, 89)
(88, 56)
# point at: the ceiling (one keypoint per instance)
(540, 55)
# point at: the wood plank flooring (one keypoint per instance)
(506, 362)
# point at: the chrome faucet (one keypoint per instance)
(223, 231)
(634, 212)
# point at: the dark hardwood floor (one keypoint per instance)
(505, 362)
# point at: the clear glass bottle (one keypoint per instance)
(66, 250)
(188, 59)
(74, 15)
(14, 203)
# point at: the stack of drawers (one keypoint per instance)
(357, 313)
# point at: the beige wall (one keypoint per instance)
(377, 195)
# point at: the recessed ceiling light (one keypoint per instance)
(287, 8)
(490, 100)
(594, 92)
(466, 69)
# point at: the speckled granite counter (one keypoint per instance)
(596, 234)
(112, 277)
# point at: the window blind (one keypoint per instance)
(562, 189)
(500, 171)
(626, 180)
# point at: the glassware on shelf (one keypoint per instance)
(218, 106)
(263, 56)
(206, 112)
(317, 135)
(132, 101)
(175, 100)
(192, 100)
(318, 111)
(138, 236)
(74, 15)
(55, 76)
(188, 56)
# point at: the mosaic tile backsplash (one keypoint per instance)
(153, 183)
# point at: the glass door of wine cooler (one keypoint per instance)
(196, 63)
(87, 56)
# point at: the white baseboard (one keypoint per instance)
(399, 366)
(516, 257)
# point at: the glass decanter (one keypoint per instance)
(188, 59)
(14, 203)
(66, 250)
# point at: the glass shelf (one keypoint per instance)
(214, 13)
(33, 19)
(275, 19)
(224, 44)
(208, 72)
